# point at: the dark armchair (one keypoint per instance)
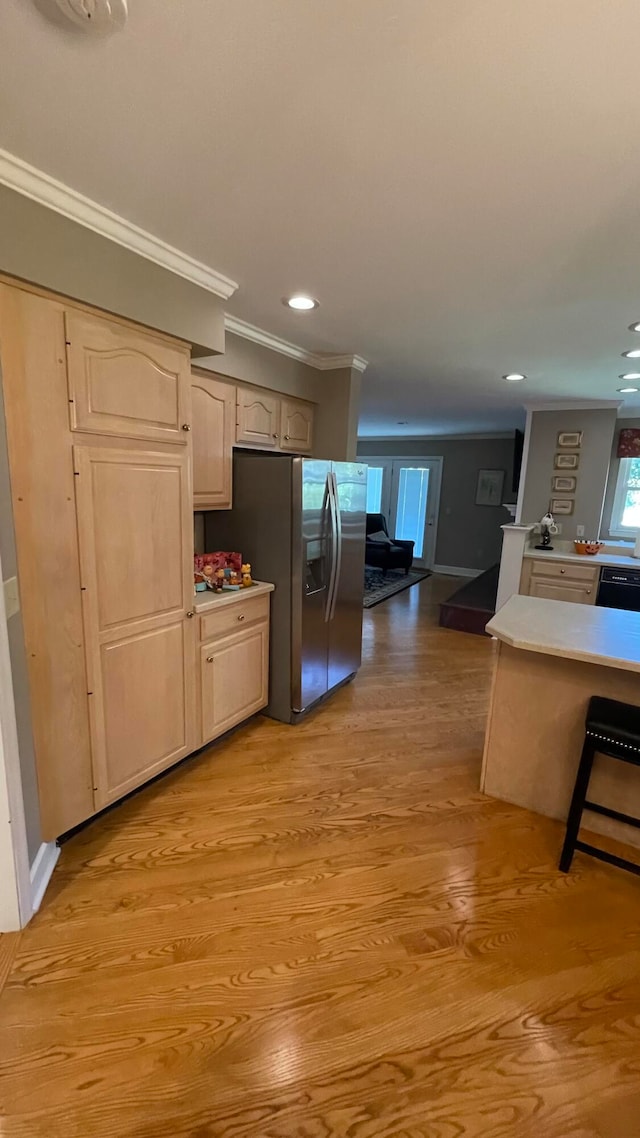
(390, 554)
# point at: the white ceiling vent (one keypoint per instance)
(101, 16)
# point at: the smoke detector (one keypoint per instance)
(95, 15)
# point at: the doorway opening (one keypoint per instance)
(407, 492)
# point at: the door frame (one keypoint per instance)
(387, 461)
(16, 900)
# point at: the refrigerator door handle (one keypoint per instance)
(332, 503)
(338, 558)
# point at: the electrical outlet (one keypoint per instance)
(579, 531)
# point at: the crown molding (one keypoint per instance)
(329, 363)
(266, 339)
(40, 187)
(447, 438)
(575, 405)
(276, 344)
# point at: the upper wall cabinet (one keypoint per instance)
(122, 382)
(258, 422)
(296, 426)
(272, 422)
(214, 424)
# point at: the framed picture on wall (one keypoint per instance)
(564, 484)
(567, 461)
(561, 506)
(489, 487)
(570, 440)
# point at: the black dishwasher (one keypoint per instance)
(619, 589)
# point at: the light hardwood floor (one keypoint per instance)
(328, 932)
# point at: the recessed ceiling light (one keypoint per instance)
(632, 355)
(514, 377)
(630, 375)
(301, 302)
(634, 327)
(627, 390)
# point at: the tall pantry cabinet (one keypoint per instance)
(98, 432)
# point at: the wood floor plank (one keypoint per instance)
(327, 932)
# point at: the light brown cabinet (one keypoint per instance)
(234, 664)
(560, 581)
(234, 680)
(258, 421)
(120, 685)
(268, 421)
(213, 434)
(134, 531)
(296, 426)
(123, 382)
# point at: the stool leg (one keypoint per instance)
(577, 805)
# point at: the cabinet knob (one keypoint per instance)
(241, 617)
(588, 592)
(190, 614)
(287, 437)
(562, 570)
(186, 427)
(209, 659)
(275, 436)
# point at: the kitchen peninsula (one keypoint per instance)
(551, 657)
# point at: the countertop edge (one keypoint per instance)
(532, 624)
(203, 602)
(586, 657)
(613, 560)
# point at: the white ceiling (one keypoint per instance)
(456, 180)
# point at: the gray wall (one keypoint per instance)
(613, 476)
(469, 536)
(18, 657)
(336, 431)
(598, 428)
(49, 250)
(253, 363)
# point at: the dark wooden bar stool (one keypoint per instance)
(612, 729)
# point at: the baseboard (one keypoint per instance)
(41, 870)
(457, 571)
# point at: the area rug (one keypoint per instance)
(378, 588)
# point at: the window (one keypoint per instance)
(625, 515)
(374, 489)
(411, 512)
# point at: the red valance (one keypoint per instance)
(629, 443)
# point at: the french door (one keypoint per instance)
(407, 492)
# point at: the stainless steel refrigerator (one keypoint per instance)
(301, 524)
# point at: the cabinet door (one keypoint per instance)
(213, 411)
(234, 680)
(552, 591)
(123, 382)
(296, 426)
(258, 421)
(136, 545)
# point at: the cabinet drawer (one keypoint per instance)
(550, 590)
(565, 570)
(234, 618)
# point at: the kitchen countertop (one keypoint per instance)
(610, 637)
(621, 560)
(210, 600)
